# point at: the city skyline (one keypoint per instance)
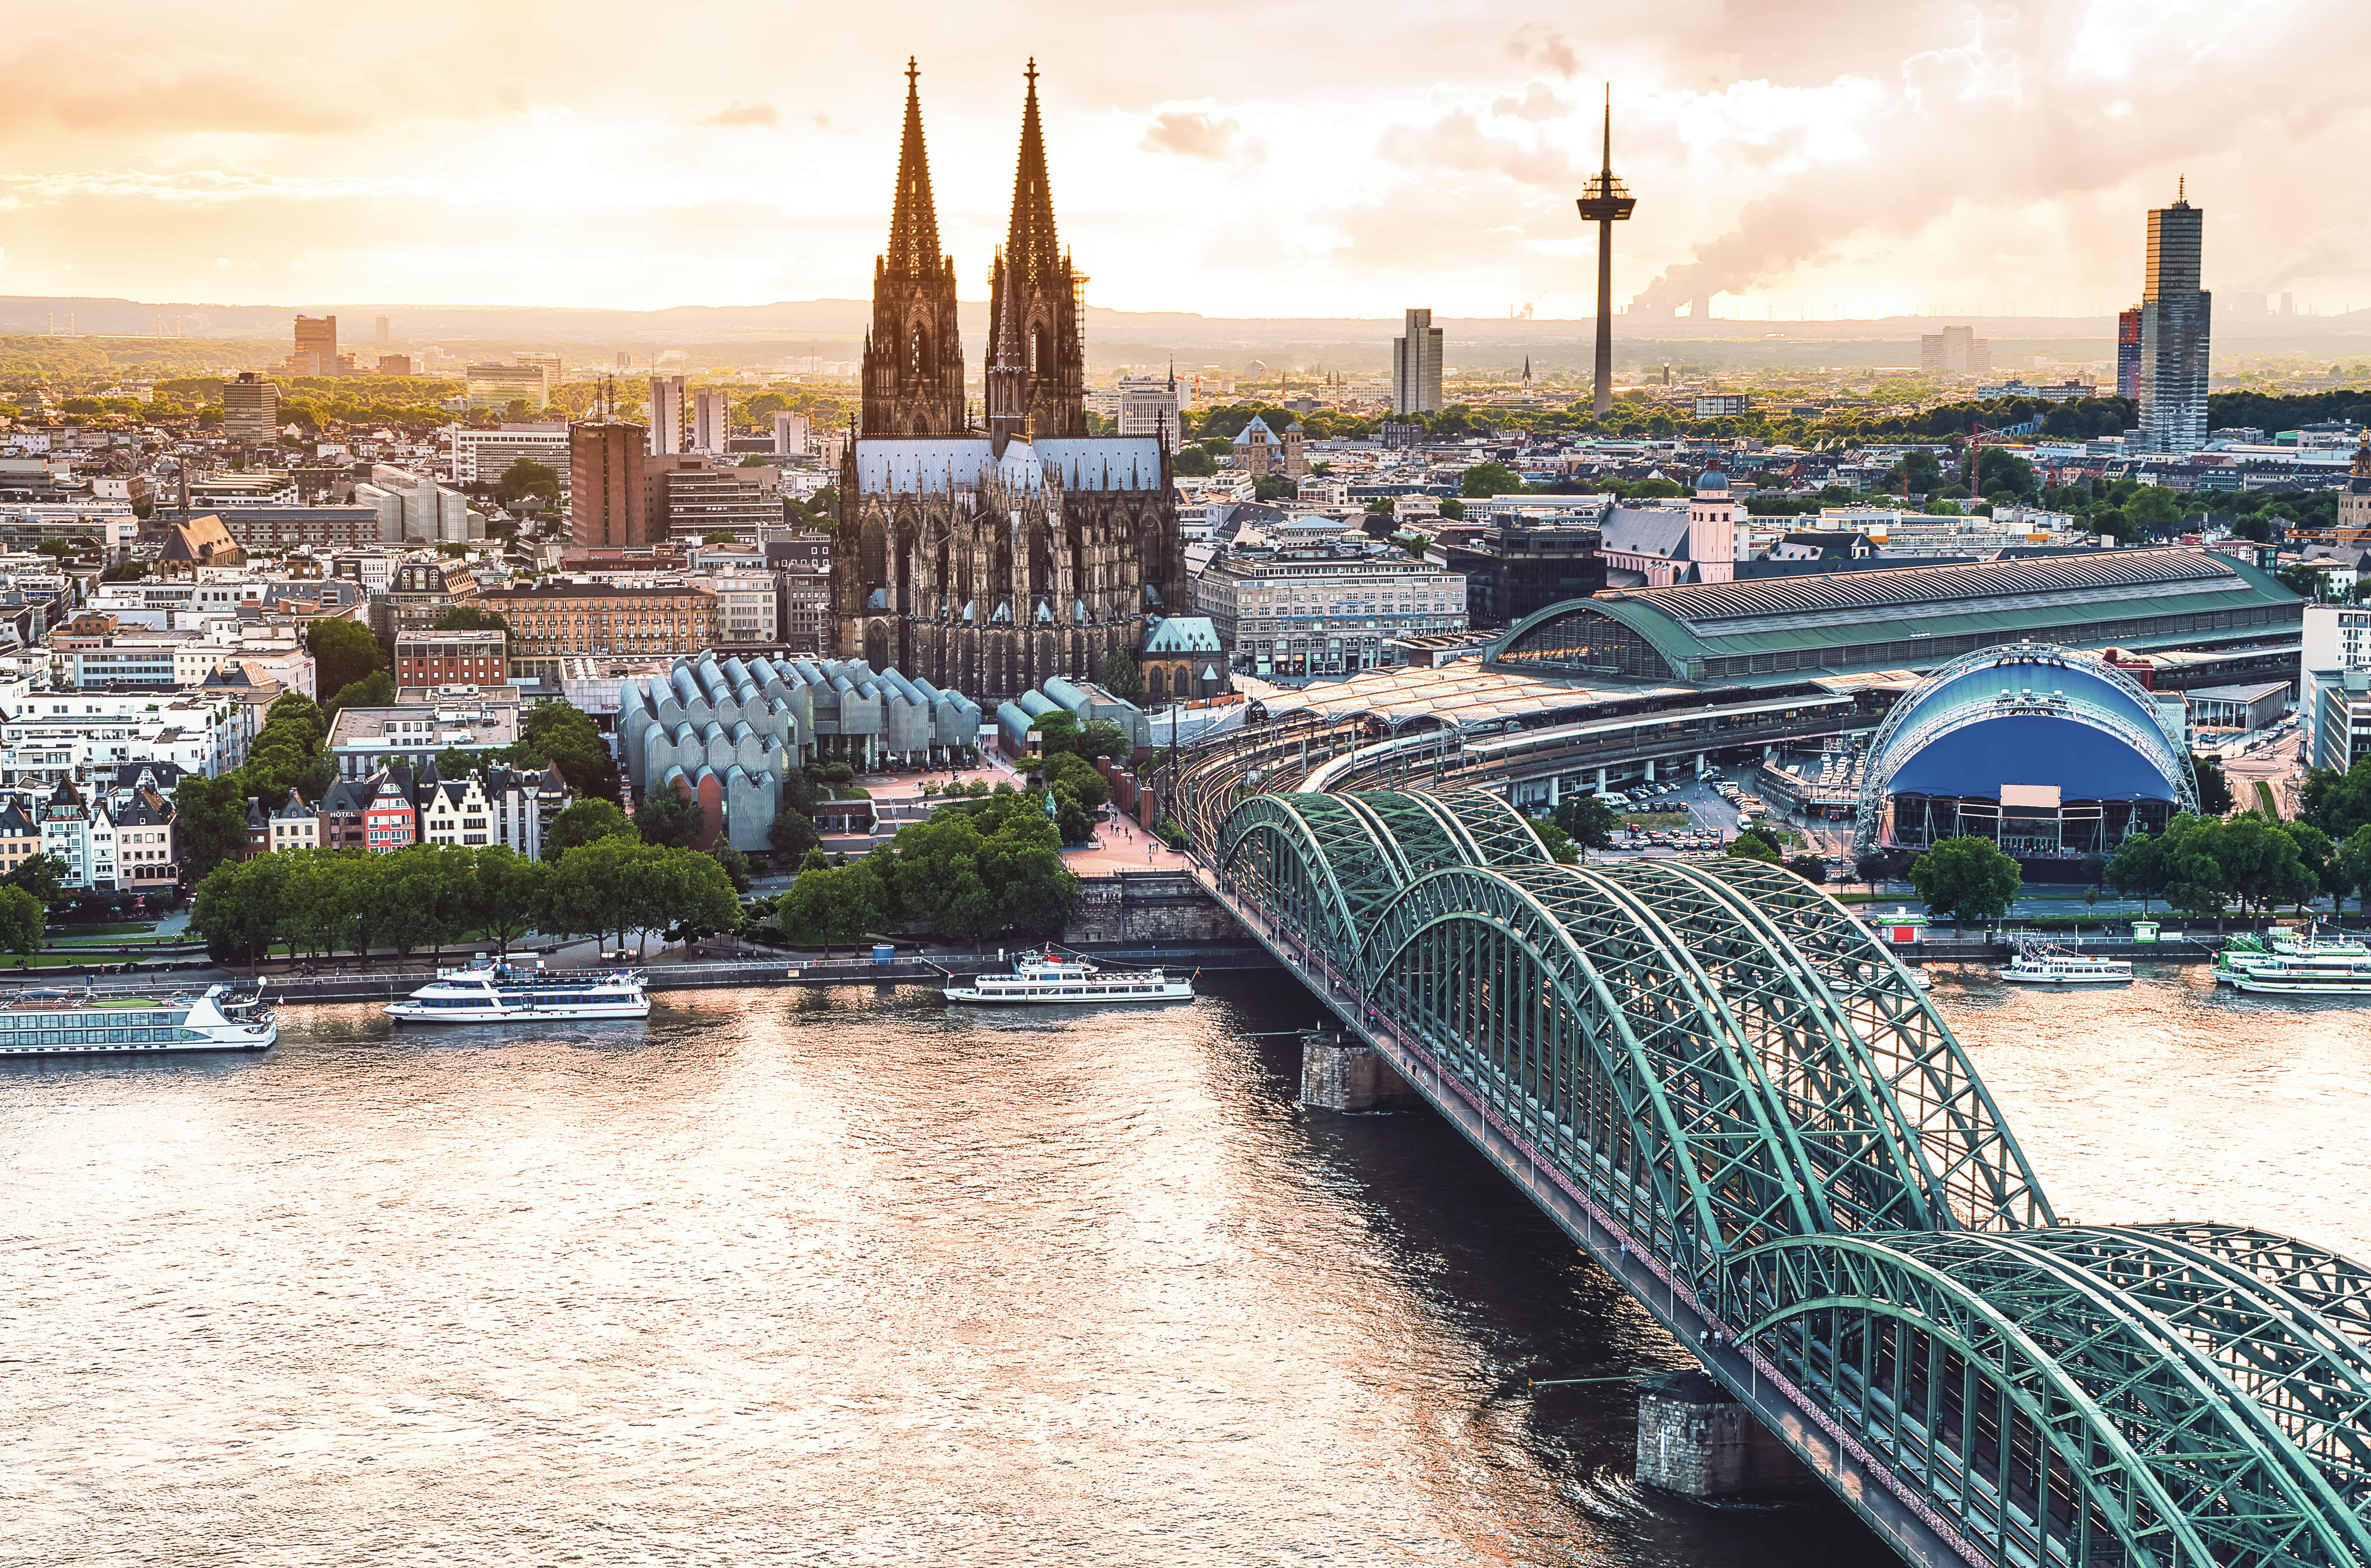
(1859, 161)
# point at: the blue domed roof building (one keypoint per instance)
(2052, 755)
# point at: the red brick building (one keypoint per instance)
(450, 658)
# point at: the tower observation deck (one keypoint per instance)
(1605, 201)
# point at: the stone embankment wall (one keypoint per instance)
(1696, 1440)
(1149, 907)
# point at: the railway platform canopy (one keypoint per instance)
(1915, 617)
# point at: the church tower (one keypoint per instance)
(913, 354)
(1036, 368)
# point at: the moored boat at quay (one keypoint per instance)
(56, 1021)
(2055, 966)
(1046, 980)
(488, 992)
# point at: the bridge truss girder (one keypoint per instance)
(1739, 1077)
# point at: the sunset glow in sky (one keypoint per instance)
(1866, 157)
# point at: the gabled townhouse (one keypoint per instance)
(390, 820)
(295, 826)
(147, 858)
(339, 812)
(454, 811)
(20, 835)
(65, 833)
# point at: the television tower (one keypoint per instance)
(1605, 201)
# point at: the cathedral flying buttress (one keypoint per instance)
(991, 561)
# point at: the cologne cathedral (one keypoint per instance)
(990, 559)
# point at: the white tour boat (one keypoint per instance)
(2054, 966)
(1043, 979)
(56, 1022)
(488, 992)
(2305, 975)
(2292, 953)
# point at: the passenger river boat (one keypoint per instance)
(488, 992)
(2055, 966)
(55, 1021)
(1043, 979)
(2291, 963)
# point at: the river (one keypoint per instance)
(839, 1277)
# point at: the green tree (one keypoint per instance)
(2352, 866)
(1554, 840)
(239, 908)
(735, 864)
(507, 893)
(1490, 479)
(1811, 867)
(984, 867)
(554, 733)
(1752, 847)
(791, 833)
(670, 817)
(22, 918)
(834, 906)
(2262, 865)
(1966, 878)
(373, 690)
(1587, 820)
(44, 876)
(1055, 732)
(2141, 868)
(455, 763)
(344, 652)
(2213, 791)
(2337, 803)
(1873, 866)
(1104, 738)
(525, 478)
(210, 818)
(1122, 678)
(584, 822)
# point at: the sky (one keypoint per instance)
(1812, 158)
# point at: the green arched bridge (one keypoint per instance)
(1717, 1082)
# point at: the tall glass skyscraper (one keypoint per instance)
(2174, 332)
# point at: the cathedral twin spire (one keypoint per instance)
(913, 356)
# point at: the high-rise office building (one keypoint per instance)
(710, 408)
(316, 345)
(2174, 321)
(386, 331)
(789, 434)
(1416, 366)
(1150, 405)
(667, 415)
(250, 407)
(609, 505)
(2128, 352)
(1954, 351)
(497, 386)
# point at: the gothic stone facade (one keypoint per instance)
(989, 560)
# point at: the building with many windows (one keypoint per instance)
(1416, 366)
(2174, 331)
(250, 407)
(481, 456)
(550, 621)
(609, 495)
(450, 658)
(1323, 610)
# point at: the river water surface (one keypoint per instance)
(849, 1277)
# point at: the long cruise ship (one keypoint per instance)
(53, 1021)
(487, 992)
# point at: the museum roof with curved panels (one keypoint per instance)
(1897, 617)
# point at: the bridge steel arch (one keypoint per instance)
(1737, 1080)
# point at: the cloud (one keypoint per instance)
(1199, 135)
(746, 114)
(1536, 43)
(1458, 142)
